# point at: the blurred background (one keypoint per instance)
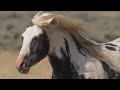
(102, 26)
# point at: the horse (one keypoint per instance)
(71, 53)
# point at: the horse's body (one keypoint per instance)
(69, 61)
(71, 56)
(112, 50)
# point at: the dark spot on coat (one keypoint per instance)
(119, 49)
(112, 74)
(78, 46)
(62, 67)
(110, 48)
(67, 47)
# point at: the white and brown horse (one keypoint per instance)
(72, 55)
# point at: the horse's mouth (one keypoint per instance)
(22, 65)
(24, 70)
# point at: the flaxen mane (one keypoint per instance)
(74, 28)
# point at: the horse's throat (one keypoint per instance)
(62, 67)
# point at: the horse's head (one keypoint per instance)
(35, 47)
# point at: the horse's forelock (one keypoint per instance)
(47, 19)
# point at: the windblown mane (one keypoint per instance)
(73, 27)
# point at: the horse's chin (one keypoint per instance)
(24, 71)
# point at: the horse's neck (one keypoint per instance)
(60, 56)
(67, 57)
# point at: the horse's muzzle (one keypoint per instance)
(23, 70)
(20, 65)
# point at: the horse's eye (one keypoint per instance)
(21, 37)
(28, 26)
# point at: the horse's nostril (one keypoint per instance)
(23, 65)
(23, 70)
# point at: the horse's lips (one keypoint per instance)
(19, 62)
(25, 71)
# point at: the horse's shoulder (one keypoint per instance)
(112, 51)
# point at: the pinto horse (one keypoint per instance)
(72, 55)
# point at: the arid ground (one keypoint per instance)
(8, 71)
(102, 26)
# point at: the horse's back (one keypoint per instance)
(112, 51)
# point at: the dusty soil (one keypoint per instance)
(8, 70)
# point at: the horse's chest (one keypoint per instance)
(63, 68)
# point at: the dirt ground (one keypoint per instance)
(8, 70)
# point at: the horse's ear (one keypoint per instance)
(44, 19)
(47, 19)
